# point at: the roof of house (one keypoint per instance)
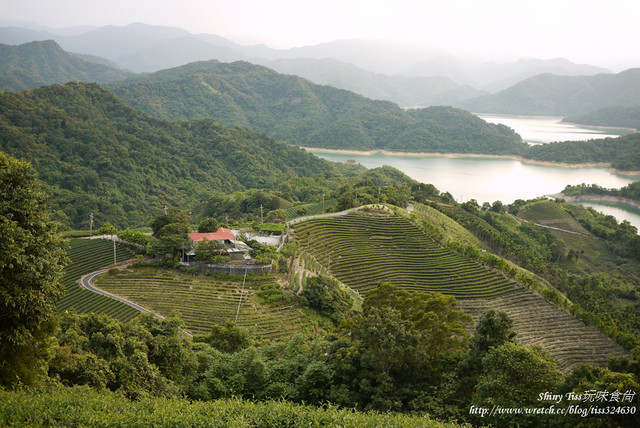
(221, 235)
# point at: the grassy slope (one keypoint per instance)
(536, 321)
(201, 301)
(87, 256)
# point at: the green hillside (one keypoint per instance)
(299, 112)
(43, 63)
(622, 153)
(621, 117)
(95, 154)
(553, 95)
(204, 301)
(397, 251)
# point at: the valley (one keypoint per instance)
(408, 265)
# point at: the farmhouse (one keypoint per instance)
(222, 234)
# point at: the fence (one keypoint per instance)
(229, 269)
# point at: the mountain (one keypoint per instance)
(493, 76)
(298, 112)
(142, 47)
(96, 154)
(36, 64)
(553, 95)
(176, 52)
(402, 90)
(622, 117)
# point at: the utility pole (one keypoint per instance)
(115, 259)
(165, 209)
(90, 225)
(323, 203)
(261, 220)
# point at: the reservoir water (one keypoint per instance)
(488, 179)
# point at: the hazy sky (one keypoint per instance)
(600, 32)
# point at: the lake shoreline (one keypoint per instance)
(598, 198)
(473, 155)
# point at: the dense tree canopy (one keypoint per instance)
(32, 256)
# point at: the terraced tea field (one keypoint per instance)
(362, 250)
(88, 255)
(201, 301)
(552, 214)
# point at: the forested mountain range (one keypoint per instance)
(145, 48)
(553, 95)
(299, 112)
(97, 154)
(37, 64)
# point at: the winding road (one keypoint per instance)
(85, 282)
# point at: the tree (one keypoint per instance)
(208, 225)
(392, 355)
(513, 376)
(108, 229)
(32, 256)
(207, 250)
(327, 297)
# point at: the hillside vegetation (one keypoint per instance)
(95, 154)
(622, 117)
(622, 153)
(202, 301)
(36, 64)
(399, 252)
(299, 112)
(98, 409)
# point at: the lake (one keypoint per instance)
(548, 129)
(488, 179)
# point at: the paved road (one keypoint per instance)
(85, 281)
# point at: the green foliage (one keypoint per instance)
(136, 237)
(622, 153)
(208, 225)
(227, 338)
(327, 296)
(310, 115)
(32, 256)
(43, 62)
(272, 293)
(206, 250)
(92, 408)
(271, 227)
(513, 377)
(108, 229)
(396, 351)
(95, 154)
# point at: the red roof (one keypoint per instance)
(221, 235)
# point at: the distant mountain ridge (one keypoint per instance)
(36, 64)
(553, 95)
(141, 47)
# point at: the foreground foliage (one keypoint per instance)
(35, 408)
(32, 257)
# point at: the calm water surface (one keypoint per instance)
(485, 179)
(547, 129)
(488, 179)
